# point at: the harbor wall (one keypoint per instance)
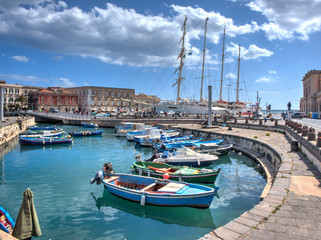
(12, 127)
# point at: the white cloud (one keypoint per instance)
(272, 72)
(289, 19)
(230, 76)
(253, 52)
(29, 78)
(112, 34)
(264, 80)
(20, 58)
(65, 82)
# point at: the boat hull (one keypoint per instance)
(44, 141)
(86, 133)
(200, 198)
(207, 177)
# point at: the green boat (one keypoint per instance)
(176, 173)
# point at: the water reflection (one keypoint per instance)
(25, 148)
(170, 215)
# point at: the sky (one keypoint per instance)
(135, 44)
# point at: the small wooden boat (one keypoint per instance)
(151, 191)
(176, 173)
(45, 141)
(89, 125)
(86, 133)
(184, 157)
(44, 128)
(6, 222)
(42, 133)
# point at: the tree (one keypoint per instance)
(22, 100)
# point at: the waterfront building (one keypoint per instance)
(16, 95)
(104, 99)
(53, 97)
(311, 100)
(143, 101)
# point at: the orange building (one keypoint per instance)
(53, 97)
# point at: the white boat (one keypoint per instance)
(140, 130)
(124, 127)
(152, 134)
(185, 157)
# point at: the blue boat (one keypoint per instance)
(86, 133)
(159, 192)
(89, 125)
(45, 141)
(44, 128)
(6, 222)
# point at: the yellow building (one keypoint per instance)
(103, 99)
(311, 100)
(11, 93)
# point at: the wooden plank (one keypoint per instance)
(171, 187)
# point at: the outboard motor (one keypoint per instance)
(98, 178)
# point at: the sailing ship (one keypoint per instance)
(201, 106)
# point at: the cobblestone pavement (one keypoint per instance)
(291, 210)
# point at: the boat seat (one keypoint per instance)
(109, 180)
(149, 187)
(172, 187)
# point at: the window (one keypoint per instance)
(124, 94)
(16, 91)
(51, 100)
(99, 102)
(112, 94)
(112, 103)
(129, 95)
(11, 100)
(26, 92)
(118, 94)
(106, 93)
(10, 90)
(93, 93)
(106, 103)
(67, 100)
(73, 101)
(118, 103)
(5, 91)
(59, 100)
(43, 100)
(5, 99)
(99, 93)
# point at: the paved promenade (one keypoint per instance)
(291, 210)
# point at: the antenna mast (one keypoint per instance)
(222, 64)
(178, 81)
(201, 97)
(238, 78)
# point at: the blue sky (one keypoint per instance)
(134, 44)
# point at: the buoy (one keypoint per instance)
(143, 199)
(166, 176)
(239, 153)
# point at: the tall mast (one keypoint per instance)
(238, 77)
(222, 65)
(201, 97)
(178, 81)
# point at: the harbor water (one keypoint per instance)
(69, 207)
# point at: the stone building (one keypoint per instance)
(143, 101)
(103, 99)
(11, 93)
(53, 97)
(311, 100)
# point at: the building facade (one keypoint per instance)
(53, 97)
(311, 100)
(16, 96)
(143, 101)
(104, 99)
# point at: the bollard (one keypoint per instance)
(235, 120)
(260, 122)
(294, 146)
(246, 120)
(275, 122)
(304, 131)
(311, 134)
(299, 129)
(319, 139)
(229, 128)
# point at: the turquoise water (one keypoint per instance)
(68, 207)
